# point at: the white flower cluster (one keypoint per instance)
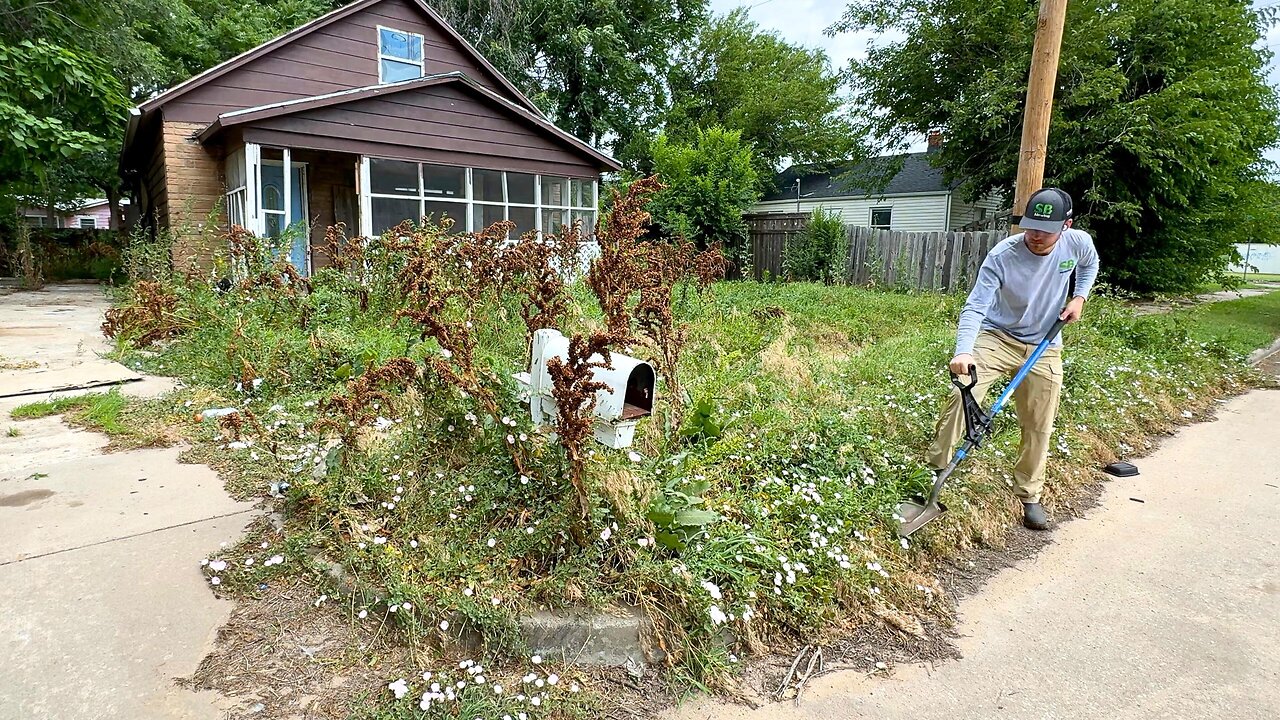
(445, 689)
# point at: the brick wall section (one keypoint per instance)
(193, 178)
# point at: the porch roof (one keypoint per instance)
(349, 118)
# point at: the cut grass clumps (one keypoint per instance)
(414, 487)
(99, 411)
(130, 422)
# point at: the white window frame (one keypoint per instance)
(468, 201)
(236, 198)
(421, 63)
(288, 192)
(93, 223)
(871, 218)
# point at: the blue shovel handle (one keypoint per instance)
(1009, 389)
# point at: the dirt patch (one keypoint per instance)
(282, 657)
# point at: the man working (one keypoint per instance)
(1022, 286)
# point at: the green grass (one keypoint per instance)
(1241, 325)
(108, 412)
(815, 404)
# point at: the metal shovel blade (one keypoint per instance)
(916, 514)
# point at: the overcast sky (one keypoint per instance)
(802, 22)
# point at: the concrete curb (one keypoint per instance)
(1261, 354)
(613, 639)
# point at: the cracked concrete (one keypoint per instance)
(102, 603)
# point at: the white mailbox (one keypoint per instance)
(628, 396)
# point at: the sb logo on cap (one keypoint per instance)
(1043, 210)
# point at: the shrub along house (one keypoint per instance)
(373, 114)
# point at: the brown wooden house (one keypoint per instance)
(375, 113)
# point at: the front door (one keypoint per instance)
(294, 229)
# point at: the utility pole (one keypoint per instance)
(1040, 85)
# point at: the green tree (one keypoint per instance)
(1161, 116)
(786, 99)
(57, 106)
(598, 68)
(71, 69)
(709, 184)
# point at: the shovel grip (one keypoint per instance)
(973, 379)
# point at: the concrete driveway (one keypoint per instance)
(1164, 602)
(102, 603)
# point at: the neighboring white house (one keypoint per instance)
(915, 200)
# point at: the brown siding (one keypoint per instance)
(339, 56)
(194, 189)
(445, 123)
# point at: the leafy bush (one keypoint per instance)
(709, 184)
(820, 252)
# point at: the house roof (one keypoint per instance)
(307, 28)
(289, 107)
(861, 179)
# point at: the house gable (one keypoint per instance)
(336, 52)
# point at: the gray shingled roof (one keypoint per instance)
(852, 179)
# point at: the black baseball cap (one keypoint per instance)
(1048, 210)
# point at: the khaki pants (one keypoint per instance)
(1036, 402)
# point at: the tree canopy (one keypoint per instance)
(69, 71)
(598, 69)
(1161, 116)
(785, 99)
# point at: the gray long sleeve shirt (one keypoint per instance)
(1021, 294)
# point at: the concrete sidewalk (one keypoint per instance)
(1164, 602)
(102, 603)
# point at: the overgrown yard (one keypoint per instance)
(376, 409)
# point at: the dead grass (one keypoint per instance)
(297, 660)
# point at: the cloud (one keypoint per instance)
(803, 22)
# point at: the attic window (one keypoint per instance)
(399, 55)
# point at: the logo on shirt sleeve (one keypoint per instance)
(1067, 265)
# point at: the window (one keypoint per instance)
(399, 55)
(474, 198)
(237, 194)
(36, 220)
(881, 218)
(88, 223)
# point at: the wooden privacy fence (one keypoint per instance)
(945, 261)
(769, 235)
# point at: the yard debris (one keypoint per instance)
(815, 665)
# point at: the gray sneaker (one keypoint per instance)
(1033, 516)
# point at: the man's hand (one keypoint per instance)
(960, 364)
(1073, 311)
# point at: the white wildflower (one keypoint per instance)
(717, 615)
